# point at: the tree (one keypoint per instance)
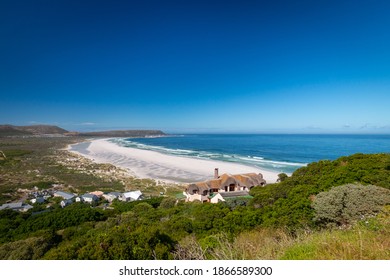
(282, 177)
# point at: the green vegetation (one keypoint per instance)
(289, 203)
(16, 226)
(366, 240)
(12, 130)
(349, 203)
(12, 157)
(32, 248)
(41, 161)
(327, 210)
(42, 130)
(282, 177)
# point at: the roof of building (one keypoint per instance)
(37, 199)
(15, 205)
(234, 194)
(214, 183)
(89, 195)
(244, 180)
(27, 207)
(116, 194)
(66, 202)
(97, 193)
(133, 194)
(64, 195)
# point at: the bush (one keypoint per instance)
(168, 202)
(282, 177)
(32, 248)
(344, 204)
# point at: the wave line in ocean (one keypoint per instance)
(256, 161)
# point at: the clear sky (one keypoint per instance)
(197, 66)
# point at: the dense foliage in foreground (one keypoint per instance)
(282, 221)
(289, 203)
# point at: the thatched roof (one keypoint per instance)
(250, 179)
(243, 180)
(214, 183)
(199, 187)
(227, 179)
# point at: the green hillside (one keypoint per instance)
(12, 130)
(289, 203)
(327, 210)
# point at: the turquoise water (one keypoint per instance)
(281, 153)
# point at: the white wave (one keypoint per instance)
(247, 160)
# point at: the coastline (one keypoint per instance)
(158, 166)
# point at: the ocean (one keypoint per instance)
(273, 152)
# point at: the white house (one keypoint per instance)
(199, 197)
(217, 198)
(131, 196)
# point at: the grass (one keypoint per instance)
(366, 240)
(264, 243)
(358, 243)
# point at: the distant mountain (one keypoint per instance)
(12, 130)
(123, 133)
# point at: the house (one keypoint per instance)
(66, 202)
(16, 206)
(38, 199)
(64, 195)
(237, 185)
(131, 196)
(89, 198)
(111, 196)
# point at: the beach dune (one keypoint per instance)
(158, 166)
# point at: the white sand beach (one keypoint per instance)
(168, 168)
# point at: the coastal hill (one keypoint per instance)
(122, 133)
(12, 130)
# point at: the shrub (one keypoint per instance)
(32, 248)
(282, 177)
(347, 203)
(168, 202)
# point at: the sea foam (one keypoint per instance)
(254, 161)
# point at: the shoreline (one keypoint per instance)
(158, 166)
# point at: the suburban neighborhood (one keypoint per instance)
(54, 195)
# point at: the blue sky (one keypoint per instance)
(197, 66)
